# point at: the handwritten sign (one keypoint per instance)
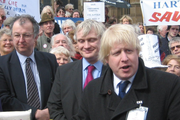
(160, 12)
(150, 50)
(19, 7)
(95, 11)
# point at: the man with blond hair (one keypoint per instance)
(128, 90)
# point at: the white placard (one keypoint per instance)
(150, 50)
(95, 11)
(160, 12)
(19, 7)
(16, 115)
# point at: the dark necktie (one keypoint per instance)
(89, 75)
(122, 88)
(33, 96)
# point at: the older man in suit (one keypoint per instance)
(26, 76)
(129, 90)
(72, 78)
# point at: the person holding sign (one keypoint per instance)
(128, 90)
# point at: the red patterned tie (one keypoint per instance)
(89, 75)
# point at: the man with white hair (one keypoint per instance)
(63, 40)
(72, 78)
(162, 31)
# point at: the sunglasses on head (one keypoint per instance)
(177, 46)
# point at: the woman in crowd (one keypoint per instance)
(47, 9)
(60, 12)
(67, 26)
(126, 19)
(173, 63)
(62, 55)
(6, 43)
(76, 14)
(77, 54)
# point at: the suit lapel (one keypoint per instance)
(17, 77)
(77, 79)
(104, 69)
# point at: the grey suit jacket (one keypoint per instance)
(12, 84)
(65, 96)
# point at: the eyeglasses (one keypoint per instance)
(177, 46)
(70, 9)
(25, 36)
(3, 17)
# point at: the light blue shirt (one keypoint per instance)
(96, 72)
(116, 82)
(33, 64)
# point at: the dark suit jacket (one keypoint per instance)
(12, 84)
(64, 99)
(159, 91)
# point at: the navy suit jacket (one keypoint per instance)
(159, 91)
(12, 84)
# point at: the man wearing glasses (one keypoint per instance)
(26, 76)
(2, 15)
(174, 46)
(69, 8)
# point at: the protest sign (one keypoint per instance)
(160, 12)
(94, 11)
(19, 7)
(150, 50)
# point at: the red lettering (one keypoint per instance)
(175, 16)
(166, 16)
(12, 3)
(154, 15)
(2, 1)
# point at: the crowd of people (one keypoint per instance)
(53, 72)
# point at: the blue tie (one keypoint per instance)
(122, 88)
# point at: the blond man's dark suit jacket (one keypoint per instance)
(12, 84)
(65, 96)
(159, 91)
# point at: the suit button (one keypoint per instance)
(109, 92)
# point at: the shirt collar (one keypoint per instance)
(117, 80)
(98, 65)
(23, 58)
